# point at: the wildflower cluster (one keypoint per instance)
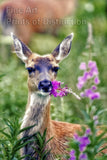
(58, 91)
(89, 79)
(83, 142)
(92, 144)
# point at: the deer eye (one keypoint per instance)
(55, 69)
(30, 70)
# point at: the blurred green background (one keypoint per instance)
(13, 76)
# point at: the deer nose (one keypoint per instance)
(45, 85)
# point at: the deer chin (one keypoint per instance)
(41, 93)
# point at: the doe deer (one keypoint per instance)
(42, 70)
(24, 17)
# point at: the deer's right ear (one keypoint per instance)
(63, 49)
(22, 51)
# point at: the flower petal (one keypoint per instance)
(83, 66)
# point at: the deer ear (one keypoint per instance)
(63, 49)
(22, 51)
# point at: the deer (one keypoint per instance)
(26, 17)
(42, 70)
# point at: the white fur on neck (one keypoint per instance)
(35, 98)
(39, 97)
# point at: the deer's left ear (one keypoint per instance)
(22, 51)
(63, 49)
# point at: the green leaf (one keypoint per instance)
(39, 138)
(26, 128)
(36, 149)
(49, 140)
(22, 145)
(102, 149)
(2, 75)
(101, 111)
(1, 156)
(44, 135)
(99, 137)
(10, 125)
(6, 150)
(24, 157)
(6, 134)
(47, 154)
(86, 116)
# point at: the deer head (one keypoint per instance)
(42, 70)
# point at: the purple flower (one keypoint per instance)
(88, 92)
(93, 67)
(76, 137)
(81, 81)
(94, 71)
(82, 66)
(79, 86)
(58, 91)
(90, 74)
(82, 94)
(88, 131)
(93, 87)
(83, 156)
(91, 94)
(72, 155)
(83, 141)
(87, 75)
(95, 118)
(56, 84)
(91, 64)
(90, 77)
(95, 95)
(96, 80)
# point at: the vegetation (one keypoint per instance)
(11, 143)
(13, 76)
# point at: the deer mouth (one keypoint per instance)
(43, 93)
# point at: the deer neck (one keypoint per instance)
(37, 113)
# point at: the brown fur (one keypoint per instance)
(49, 9)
